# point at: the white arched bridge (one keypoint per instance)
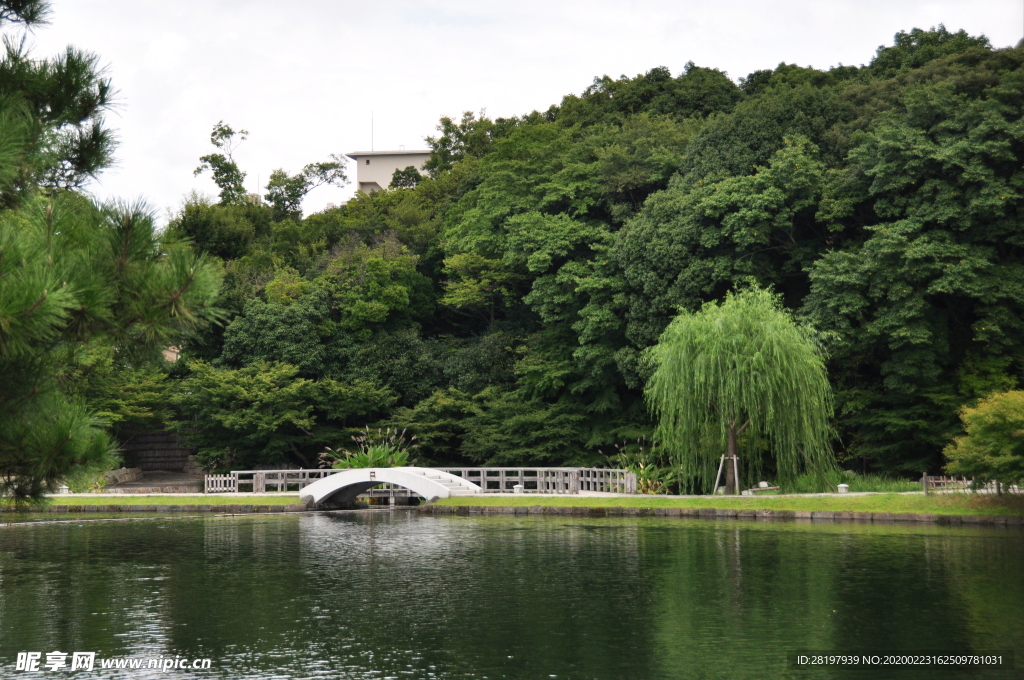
(343, 487)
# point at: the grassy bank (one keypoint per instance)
(958, 504)
(175, 499)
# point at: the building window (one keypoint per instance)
(367, 161)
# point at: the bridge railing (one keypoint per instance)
(544, 480)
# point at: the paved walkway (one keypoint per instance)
(159, 481)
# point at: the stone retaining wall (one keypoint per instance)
(717, 513)
(552, 510)
(164, 488)
(153, 450)
(123, 475)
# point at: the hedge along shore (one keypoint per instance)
(719, 514)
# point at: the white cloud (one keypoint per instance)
(303, 77)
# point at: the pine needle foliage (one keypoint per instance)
(75, 277)
(741, 375)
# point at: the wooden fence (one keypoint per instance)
(937, 484)
(547, 480)
(490, 480)
(262, 481)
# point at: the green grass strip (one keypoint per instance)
(183, 499)
(953, 504)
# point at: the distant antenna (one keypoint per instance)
(371, 130)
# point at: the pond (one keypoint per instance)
(390, 594)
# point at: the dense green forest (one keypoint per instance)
(500, 307)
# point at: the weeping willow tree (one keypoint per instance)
(744, 379)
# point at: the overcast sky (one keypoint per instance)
(304, 76)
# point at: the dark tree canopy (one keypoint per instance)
(405, 178)
(696, 92)
(508, 298)
(285, 192)
(503, 305)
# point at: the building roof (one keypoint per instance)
(363, 154)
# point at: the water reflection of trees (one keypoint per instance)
(142, 588)
(612, 598)
(549, 594)
(735, 598)
(987, 584)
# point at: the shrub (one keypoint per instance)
(829, 482)
(993, 449)
(389, 449)
(655, 473)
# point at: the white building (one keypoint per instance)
(375, 168)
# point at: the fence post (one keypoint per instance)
(924, 482)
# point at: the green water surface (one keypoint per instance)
(396, 595)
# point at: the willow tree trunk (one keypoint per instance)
(731, 483)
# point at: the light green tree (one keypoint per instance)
(369, 287)
(477, 285)
(993, 449)
(738, 378)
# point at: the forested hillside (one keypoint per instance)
(500, 308)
